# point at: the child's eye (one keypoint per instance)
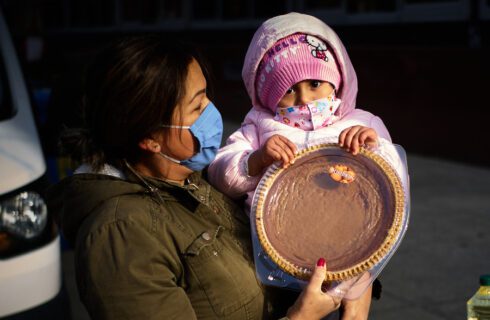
(316, 83)
(289, 91)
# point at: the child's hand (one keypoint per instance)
(276, 148)
(353, 137)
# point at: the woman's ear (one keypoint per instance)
(150, 145)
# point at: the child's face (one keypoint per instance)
(304, 92)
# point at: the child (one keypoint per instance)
(303, 90)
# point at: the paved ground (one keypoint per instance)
(446, 248)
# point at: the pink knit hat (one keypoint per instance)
(290, 60)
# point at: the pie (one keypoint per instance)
(347, 209)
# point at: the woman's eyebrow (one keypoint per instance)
(198, 93)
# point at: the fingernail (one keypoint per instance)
(321, 262)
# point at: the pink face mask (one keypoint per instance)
(312, 116)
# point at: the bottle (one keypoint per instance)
(479, 305)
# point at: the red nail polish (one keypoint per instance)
(321, 262)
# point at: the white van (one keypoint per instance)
(30, 267)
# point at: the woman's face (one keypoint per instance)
(305, 92)
(181, 144)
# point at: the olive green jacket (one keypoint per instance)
(148, 249)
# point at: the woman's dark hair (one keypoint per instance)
(131, 88)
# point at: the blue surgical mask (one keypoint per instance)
(208, 130)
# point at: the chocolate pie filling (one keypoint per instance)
(308, 215)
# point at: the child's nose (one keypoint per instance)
(303, 97)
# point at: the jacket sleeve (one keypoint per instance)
(124, 273)
(228, 171)
(392, 153)
(378, 125)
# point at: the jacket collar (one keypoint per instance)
(194, 185)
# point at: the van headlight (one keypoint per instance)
(24, 215)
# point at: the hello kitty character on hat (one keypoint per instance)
(319, 47)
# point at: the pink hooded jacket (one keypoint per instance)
(228, 172)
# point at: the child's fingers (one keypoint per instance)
(355, 144)
(279, 153)
(288, 148)
(289, 143)
(275, 154)
(354, 137)
(362, 137)
(287, 157)
(290, 152)
(350, 136)
(342, 136)
(368, 137)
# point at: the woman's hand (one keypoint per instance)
(313, 303)
(353, 137)
(276, 148)
(357, 309)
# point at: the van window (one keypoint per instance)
(6, 109)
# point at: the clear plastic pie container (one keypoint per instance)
(351, 210)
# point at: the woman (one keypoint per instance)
(153, 240)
